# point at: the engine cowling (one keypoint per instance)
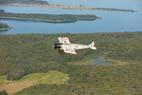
(57, 45)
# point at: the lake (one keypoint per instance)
(109, 22)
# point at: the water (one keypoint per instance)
(118, 22)
(110, 22)
(101, 61)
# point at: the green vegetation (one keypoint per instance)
(114, 9)
(51, 18)
(51, 77)
(122, 80)
(3, 79)
(21, 56)
(3, 26)
(3, 93)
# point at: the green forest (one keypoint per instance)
(25, 54)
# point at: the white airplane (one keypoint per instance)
(67, 47)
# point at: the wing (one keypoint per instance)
(68, 49)
(64, 40)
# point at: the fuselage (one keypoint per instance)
(75, 46)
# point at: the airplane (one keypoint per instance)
(67, 47)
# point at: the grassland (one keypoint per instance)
(50, 78)
(123, 80)
(31, 57)
(3, 80)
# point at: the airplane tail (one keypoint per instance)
(93, 45)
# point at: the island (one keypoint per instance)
(4, 27)
(6, 2)
(50, 18)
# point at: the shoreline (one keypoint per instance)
(31, 19)
(61, 33)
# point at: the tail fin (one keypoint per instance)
(93, 45)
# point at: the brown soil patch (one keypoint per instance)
(13, 87)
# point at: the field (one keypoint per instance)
(31, 59)
(51, 78)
